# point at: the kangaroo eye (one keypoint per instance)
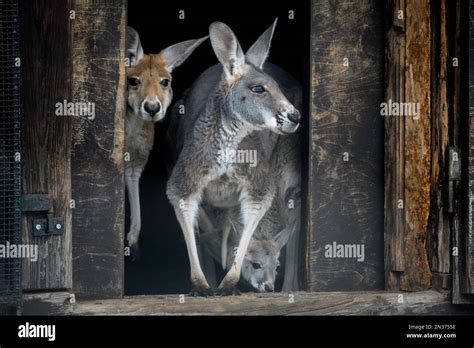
(165, 82)
(256, 265)
(133, 81)
(258, 89)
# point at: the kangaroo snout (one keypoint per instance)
(152, 107)
(288, 119)
(294, 116)
(269, 287)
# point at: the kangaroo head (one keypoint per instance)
(252, 97)
(261, 262)
(149, 76)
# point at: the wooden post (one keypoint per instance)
(462, 109)
(467, 283)
(417, 275)
(394, 145)
(439, 225)
(46, 138)
(346, 144)
(408, 147)
(97, 163)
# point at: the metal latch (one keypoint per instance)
(454, 174)
(41, 203)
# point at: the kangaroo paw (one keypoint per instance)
(227, 292)
(206, 292)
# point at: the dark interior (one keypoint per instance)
(163, 263)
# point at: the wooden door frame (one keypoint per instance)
(464, 236)
(346, 145)
(98, 186)
(407, 160)
(427, 236)
(46, 139)
(90, 284)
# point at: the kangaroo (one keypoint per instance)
(149, 94)
(261, 263)
(236, 104)
(282, 220)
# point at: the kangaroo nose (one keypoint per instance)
(152, 108)
(269, 287)
(294, 117)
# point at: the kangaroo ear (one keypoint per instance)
(227, 49)
(134, 49)
(175, 55)
(282, 237)
(258, 53)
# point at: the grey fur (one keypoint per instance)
(224, 114)
(280, 223)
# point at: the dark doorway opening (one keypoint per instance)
(163, 264)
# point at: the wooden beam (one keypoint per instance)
(346, 142)
(46, 138)
(97, 162)
(462, 91)
(337, 303)
(394, 145)
(439, 226)
(417, 275)
(47, 303)
(407, 189)
(468, 277)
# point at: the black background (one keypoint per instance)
(244, 331)
(163, 264)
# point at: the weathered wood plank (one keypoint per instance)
(46, 138)
(48, 303)
(439, 236)
(417, 275)
(407, 171)
(337, 303)
(468, 279)
(346, 142)
(97, 163)
(462, 130)
(394, 145)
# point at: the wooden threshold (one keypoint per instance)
(304, 303)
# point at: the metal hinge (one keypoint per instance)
(453, 175)
(42, 227)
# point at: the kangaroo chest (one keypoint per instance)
(230, 182)
(244, 170)
(224, 191)
(139, 137)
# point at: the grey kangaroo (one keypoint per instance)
(262, 260)
(149, 94)
(236, 104)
